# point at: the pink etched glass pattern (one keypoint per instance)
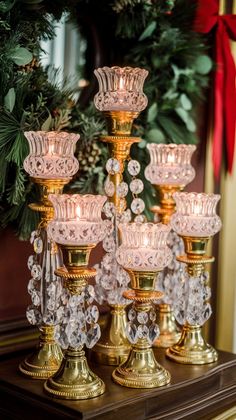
(51, 154)
(170, 164)
(144, 246)
(77, 219)
(196, 214)
(120, 89)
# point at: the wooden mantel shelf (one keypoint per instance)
(195, 392)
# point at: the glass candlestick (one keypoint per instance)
(121, 99)
(143, 253)
(77, 228)
(51, 165)
(195, 221)
(170, 170)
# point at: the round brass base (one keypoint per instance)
(169, 331)
(43, 363)
(191, 348)
(113, 347)
(141, 370)
(74, 380)
(167, 339)
(110, 355)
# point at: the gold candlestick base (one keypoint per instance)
(74, 380)
(46, 359)
(141, 370)
(192, 348)
(113, 347)
(169, 331)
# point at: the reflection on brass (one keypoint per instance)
(191, 347)
(120, 122)
(74, 380)
(46, 359)
(141, 369)
(169, 331)
(167, 203)
(113, 346)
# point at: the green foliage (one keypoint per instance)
(156, 35)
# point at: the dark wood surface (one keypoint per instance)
(195, 392)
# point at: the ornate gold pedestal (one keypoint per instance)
(74, 380)
(169, 331)
(191, 347)
(141, 370)
(47, 357)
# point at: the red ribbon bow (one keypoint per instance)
(225, 91)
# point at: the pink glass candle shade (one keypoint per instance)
(170, 164)
(51, 154)
(196, 214)
(77, 219)
(144, 246)
(120, 89)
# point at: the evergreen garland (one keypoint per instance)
(154, 34)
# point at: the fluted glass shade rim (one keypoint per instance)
(196, 214)
(120, 89)
(51, 154)
(170, 164)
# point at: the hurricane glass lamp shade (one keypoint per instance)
(196, 214)
(77, 219)
(120, 89)
(144, 246)
(51, 154)
(170, 164)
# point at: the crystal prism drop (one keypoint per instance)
(136, 186)
(137, 206)
(142, 317)
(33, 315)
(38, 245)
(113, 166)
(122, 189)
(153, 333)
(93, 335)
(132, 333)
(92, 314)
(109, 187)
(132, 314)
(133, 167)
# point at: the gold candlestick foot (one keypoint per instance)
(192, 348)
(74, 380)
(141, 370)
(46, 359)
(169, 331)
(113, 347)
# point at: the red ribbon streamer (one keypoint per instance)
(208, 17)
